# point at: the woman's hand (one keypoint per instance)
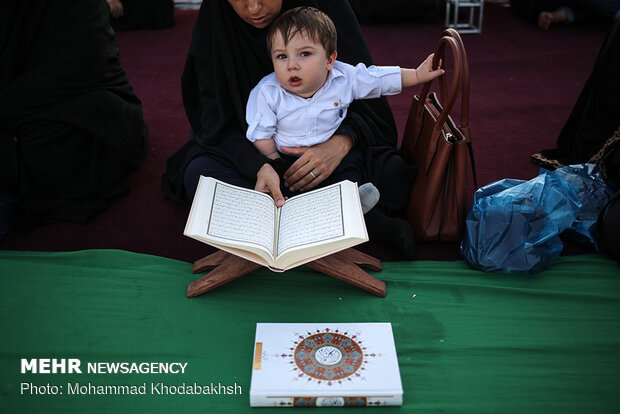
(267, 181)
(316, 163)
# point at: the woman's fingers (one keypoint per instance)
(316, 163)
(305, 173)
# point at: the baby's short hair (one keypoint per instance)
(308, 20)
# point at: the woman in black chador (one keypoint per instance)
(592, 134)
(226, 59)
(70, 125)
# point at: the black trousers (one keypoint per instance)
(351, 168)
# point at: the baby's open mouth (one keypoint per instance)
(294, 81)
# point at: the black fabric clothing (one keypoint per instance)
(70, 125)
(145, 14)
(609, 219)
(227, 57)
(349, 169)
(596, 114)
(609, 228)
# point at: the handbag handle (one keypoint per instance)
(464, 121)
(457, 80)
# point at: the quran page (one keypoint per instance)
(319, 223)
(311, 218)
(233, 219)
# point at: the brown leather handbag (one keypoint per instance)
(438, 146)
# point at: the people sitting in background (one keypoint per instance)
(546, 13)
(141, 14)
(71, 126)
(592, 134)
(575, 11)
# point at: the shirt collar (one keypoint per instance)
(333, 74)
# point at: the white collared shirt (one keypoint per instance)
(293, 121)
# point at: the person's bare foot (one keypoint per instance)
(546, 19)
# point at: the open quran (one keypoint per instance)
(325, 365)
(247, 223)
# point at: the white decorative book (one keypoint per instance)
(325, 365)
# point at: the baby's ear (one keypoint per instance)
(331, 60)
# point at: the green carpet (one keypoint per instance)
(468, 342)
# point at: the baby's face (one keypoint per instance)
(302, 65)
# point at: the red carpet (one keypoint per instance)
(524, 84)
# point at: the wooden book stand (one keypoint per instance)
(344, 265)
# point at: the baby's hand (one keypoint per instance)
(425, 71)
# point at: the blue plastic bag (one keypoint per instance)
(593, 191)
(514, 225)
